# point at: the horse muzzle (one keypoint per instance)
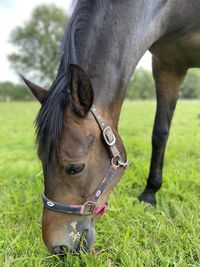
(73, 237)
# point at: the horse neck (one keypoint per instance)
(110, 45)
(110, 111)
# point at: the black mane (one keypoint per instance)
(49, 121)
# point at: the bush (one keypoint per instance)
(141, 85)
(10, 91)
(190, 88)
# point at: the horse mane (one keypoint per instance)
(49, 121)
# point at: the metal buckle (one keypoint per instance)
(89, 206)
(109, 136)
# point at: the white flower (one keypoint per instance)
(75, 236)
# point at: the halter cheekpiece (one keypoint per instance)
(90, 206)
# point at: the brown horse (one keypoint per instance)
(81, 151)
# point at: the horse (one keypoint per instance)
(81, 152)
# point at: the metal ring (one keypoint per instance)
(113, 164)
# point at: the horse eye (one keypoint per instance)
(73, 169)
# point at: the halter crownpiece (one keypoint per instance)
(90, 206)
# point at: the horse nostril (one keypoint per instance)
(60, 250)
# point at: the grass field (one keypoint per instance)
(131, 233)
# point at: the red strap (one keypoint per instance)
(101, 209)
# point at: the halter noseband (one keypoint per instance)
(90, 206)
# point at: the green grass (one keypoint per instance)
(131, 233)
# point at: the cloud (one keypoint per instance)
(145, 61)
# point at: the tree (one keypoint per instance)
(38, 43)
(141, 85)
(190, 88)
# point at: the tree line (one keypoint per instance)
(38, 45)
(141, 86)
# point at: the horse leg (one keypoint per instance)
(167, 81)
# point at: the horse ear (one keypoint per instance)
(81, 91)
(39, 93)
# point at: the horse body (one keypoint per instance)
(107, 39)
(179, 45)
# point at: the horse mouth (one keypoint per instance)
(83, 244)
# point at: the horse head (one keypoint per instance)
(80, 166)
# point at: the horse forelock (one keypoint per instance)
(49, 121)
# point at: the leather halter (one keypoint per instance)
(90, 206)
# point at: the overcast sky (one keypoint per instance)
(15, 12)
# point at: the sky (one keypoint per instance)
(14, 13)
